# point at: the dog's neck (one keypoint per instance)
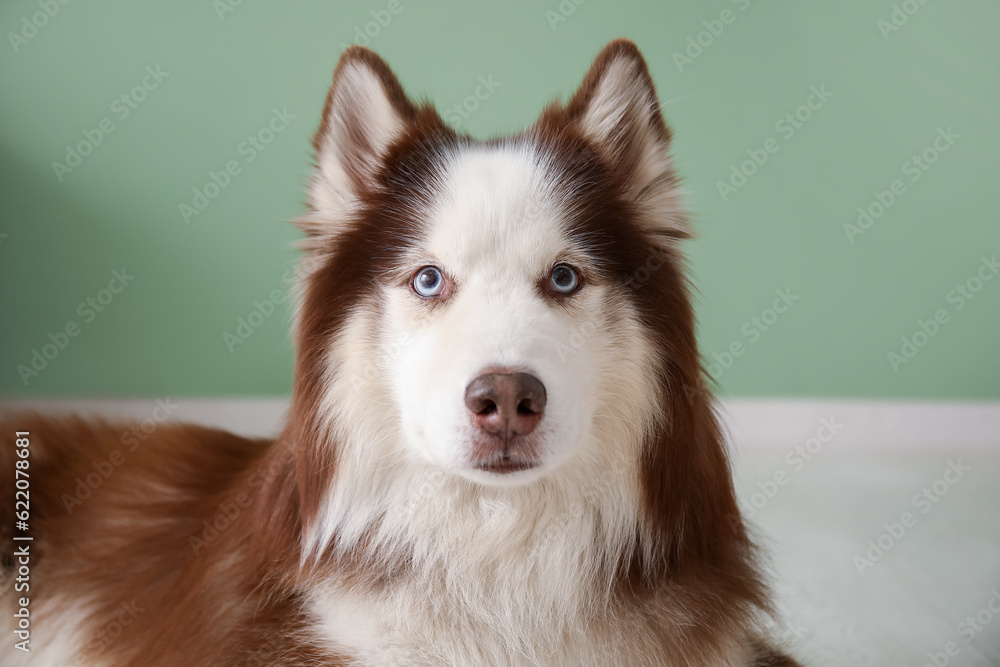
(568, 523)
(378, 499)
(517, 567)
(399, 555)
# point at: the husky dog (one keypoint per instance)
(500, 449)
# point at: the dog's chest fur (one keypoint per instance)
(481, 581)
(422, 628)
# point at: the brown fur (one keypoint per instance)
(130, 541)
(238, 600)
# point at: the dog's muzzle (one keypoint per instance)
(505, 406)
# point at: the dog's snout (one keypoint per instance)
(506, 404)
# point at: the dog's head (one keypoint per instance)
(512, 313)
(488, 302)
(496, 348)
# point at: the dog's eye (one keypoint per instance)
(428, 282)
(564, 279)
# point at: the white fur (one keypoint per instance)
(514, 573)
(514, 570)
(621, 116)
(59, 632)
(359, 103)
(496, 233)
(497, 570)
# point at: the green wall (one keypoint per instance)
(888, 94)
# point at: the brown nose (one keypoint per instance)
(506, 404)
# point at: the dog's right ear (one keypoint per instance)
(366, 110)
(617, 109)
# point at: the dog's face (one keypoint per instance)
(508, 315)
(487, 297)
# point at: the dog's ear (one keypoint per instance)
(366, 110)
(616, 108)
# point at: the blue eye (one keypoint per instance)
(564, 279)
(428, 282)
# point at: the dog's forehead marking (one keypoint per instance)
(497, 206)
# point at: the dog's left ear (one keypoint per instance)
(366, 110)
(617, 109)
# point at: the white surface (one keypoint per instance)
(909, 604)
(880, 423)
